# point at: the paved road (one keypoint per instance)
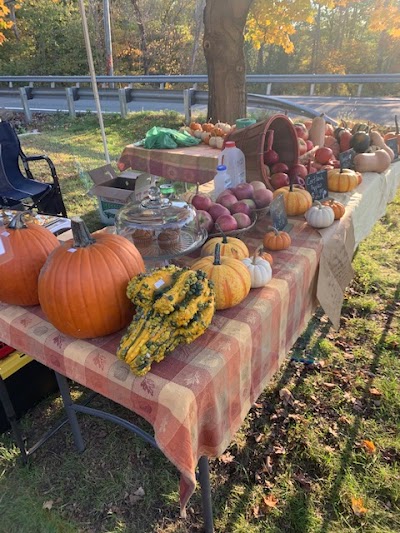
(377, 110)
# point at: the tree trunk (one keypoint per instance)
(143, 39)
(224, 24)
(200, 4)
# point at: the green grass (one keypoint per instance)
(309, 456)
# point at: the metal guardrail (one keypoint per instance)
(187, 97)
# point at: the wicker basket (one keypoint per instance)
(252, 142)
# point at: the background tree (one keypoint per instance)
(4, 23)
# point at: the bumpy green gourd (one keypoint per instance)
(173, 306)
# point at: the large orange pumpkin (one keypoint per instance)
(82, 286)
(24, 249)
(231, 278)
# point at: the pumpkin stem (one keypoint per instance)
(397, 125)
(224, 236)
(256, 254)
(273, 228)
(18, 222)
(217, 254)
(81, 234)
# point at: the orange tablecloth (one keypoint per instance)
(197, 398)
(194, 164)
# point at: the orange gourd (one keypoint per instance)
(229, 246)
(24, 248)
(276, 240)
(265, 255)
(337, 208)
(82, 286)
(231, 278)
(297, 200)
(342, 180)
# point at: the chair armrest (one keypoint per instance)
(26, 159)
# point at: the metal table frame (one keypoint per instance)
(71, 410)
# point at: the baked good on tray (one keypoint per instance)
(142, 236)
(169, 237)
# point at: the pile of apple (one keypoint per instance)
(233, 208)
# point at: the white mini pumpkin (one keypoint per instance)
(260, 270)
(319, 216)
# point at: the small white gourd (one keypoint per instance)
(260, 270)
(319, 216)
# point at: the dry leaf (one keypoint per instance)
(368, 446)
(375, 392)
(48, 505)
(227, 458)
(304, 482)
(267, 465)
(256, 511)
(140, 492)
(357, 506)
(286, 396)
(279, 450)
(329, 385)
(270, 500)
(259, 437)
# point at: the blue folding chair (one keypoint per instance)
(15, 187)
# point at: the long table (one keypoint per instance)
(198, 396)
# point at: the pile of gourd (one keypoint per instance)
(209, 133)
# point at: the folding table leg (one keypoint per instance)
(204, 479)
(12, 418)
(69, 409)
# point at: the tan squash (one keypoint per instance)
(378, 161)
(317, 131)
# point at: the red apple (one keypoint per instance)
(228, 200)
(226, 192)
(278, 180)
(227, 223)
(301, 131)
(201, 201)
(298, 170)
(344, 140)
(309, 144)
(216, 210)
(258, 185)
(205, 220)
(250, 202)
(279, 167)
(302, 146)
(243, 220)
(323, 154)
(263, 197)
(240, 207)
(243, 191)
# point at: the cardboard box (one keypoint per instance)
(113, 190)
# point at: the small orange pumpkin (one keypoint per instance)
(337, 208)
(265, 255)
(297, 200)
(342, 180)
(82, 286)
(231, 278)
(276, 240)
(195, 126)
(25, 250)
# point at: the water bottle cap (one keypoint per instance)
(221, 167)
(230, 144)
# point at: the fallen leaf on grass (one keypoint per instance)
(48, 505)
(302, 480)
(267, 465)
(227, 458)
(137, 495)
(329, 385)
(286, 396)
(368, 446)
(357, 506)
(270, 501)
(375, 392)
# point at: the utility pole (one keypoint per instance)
(107, 33)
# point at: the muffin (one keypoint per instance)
(168, 237)
(142, 237)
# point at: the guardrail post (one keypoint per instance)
(269, 87)
(312, 88)
(360, 86)
(124, 96)
(71, 101)
(26, 94)
(188, 100)
(162, 86)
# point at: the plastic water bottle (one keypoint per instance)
(234, 160)
(222, 180)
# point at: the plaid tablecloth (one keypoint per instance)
(194, 164)
(197, 398)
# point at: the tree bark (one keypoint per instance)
(143, 39)
(224, 24)
(198, 17)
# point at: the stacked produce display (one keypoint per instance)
(95, 285)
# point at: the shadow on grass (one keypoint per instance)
(333, 497)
